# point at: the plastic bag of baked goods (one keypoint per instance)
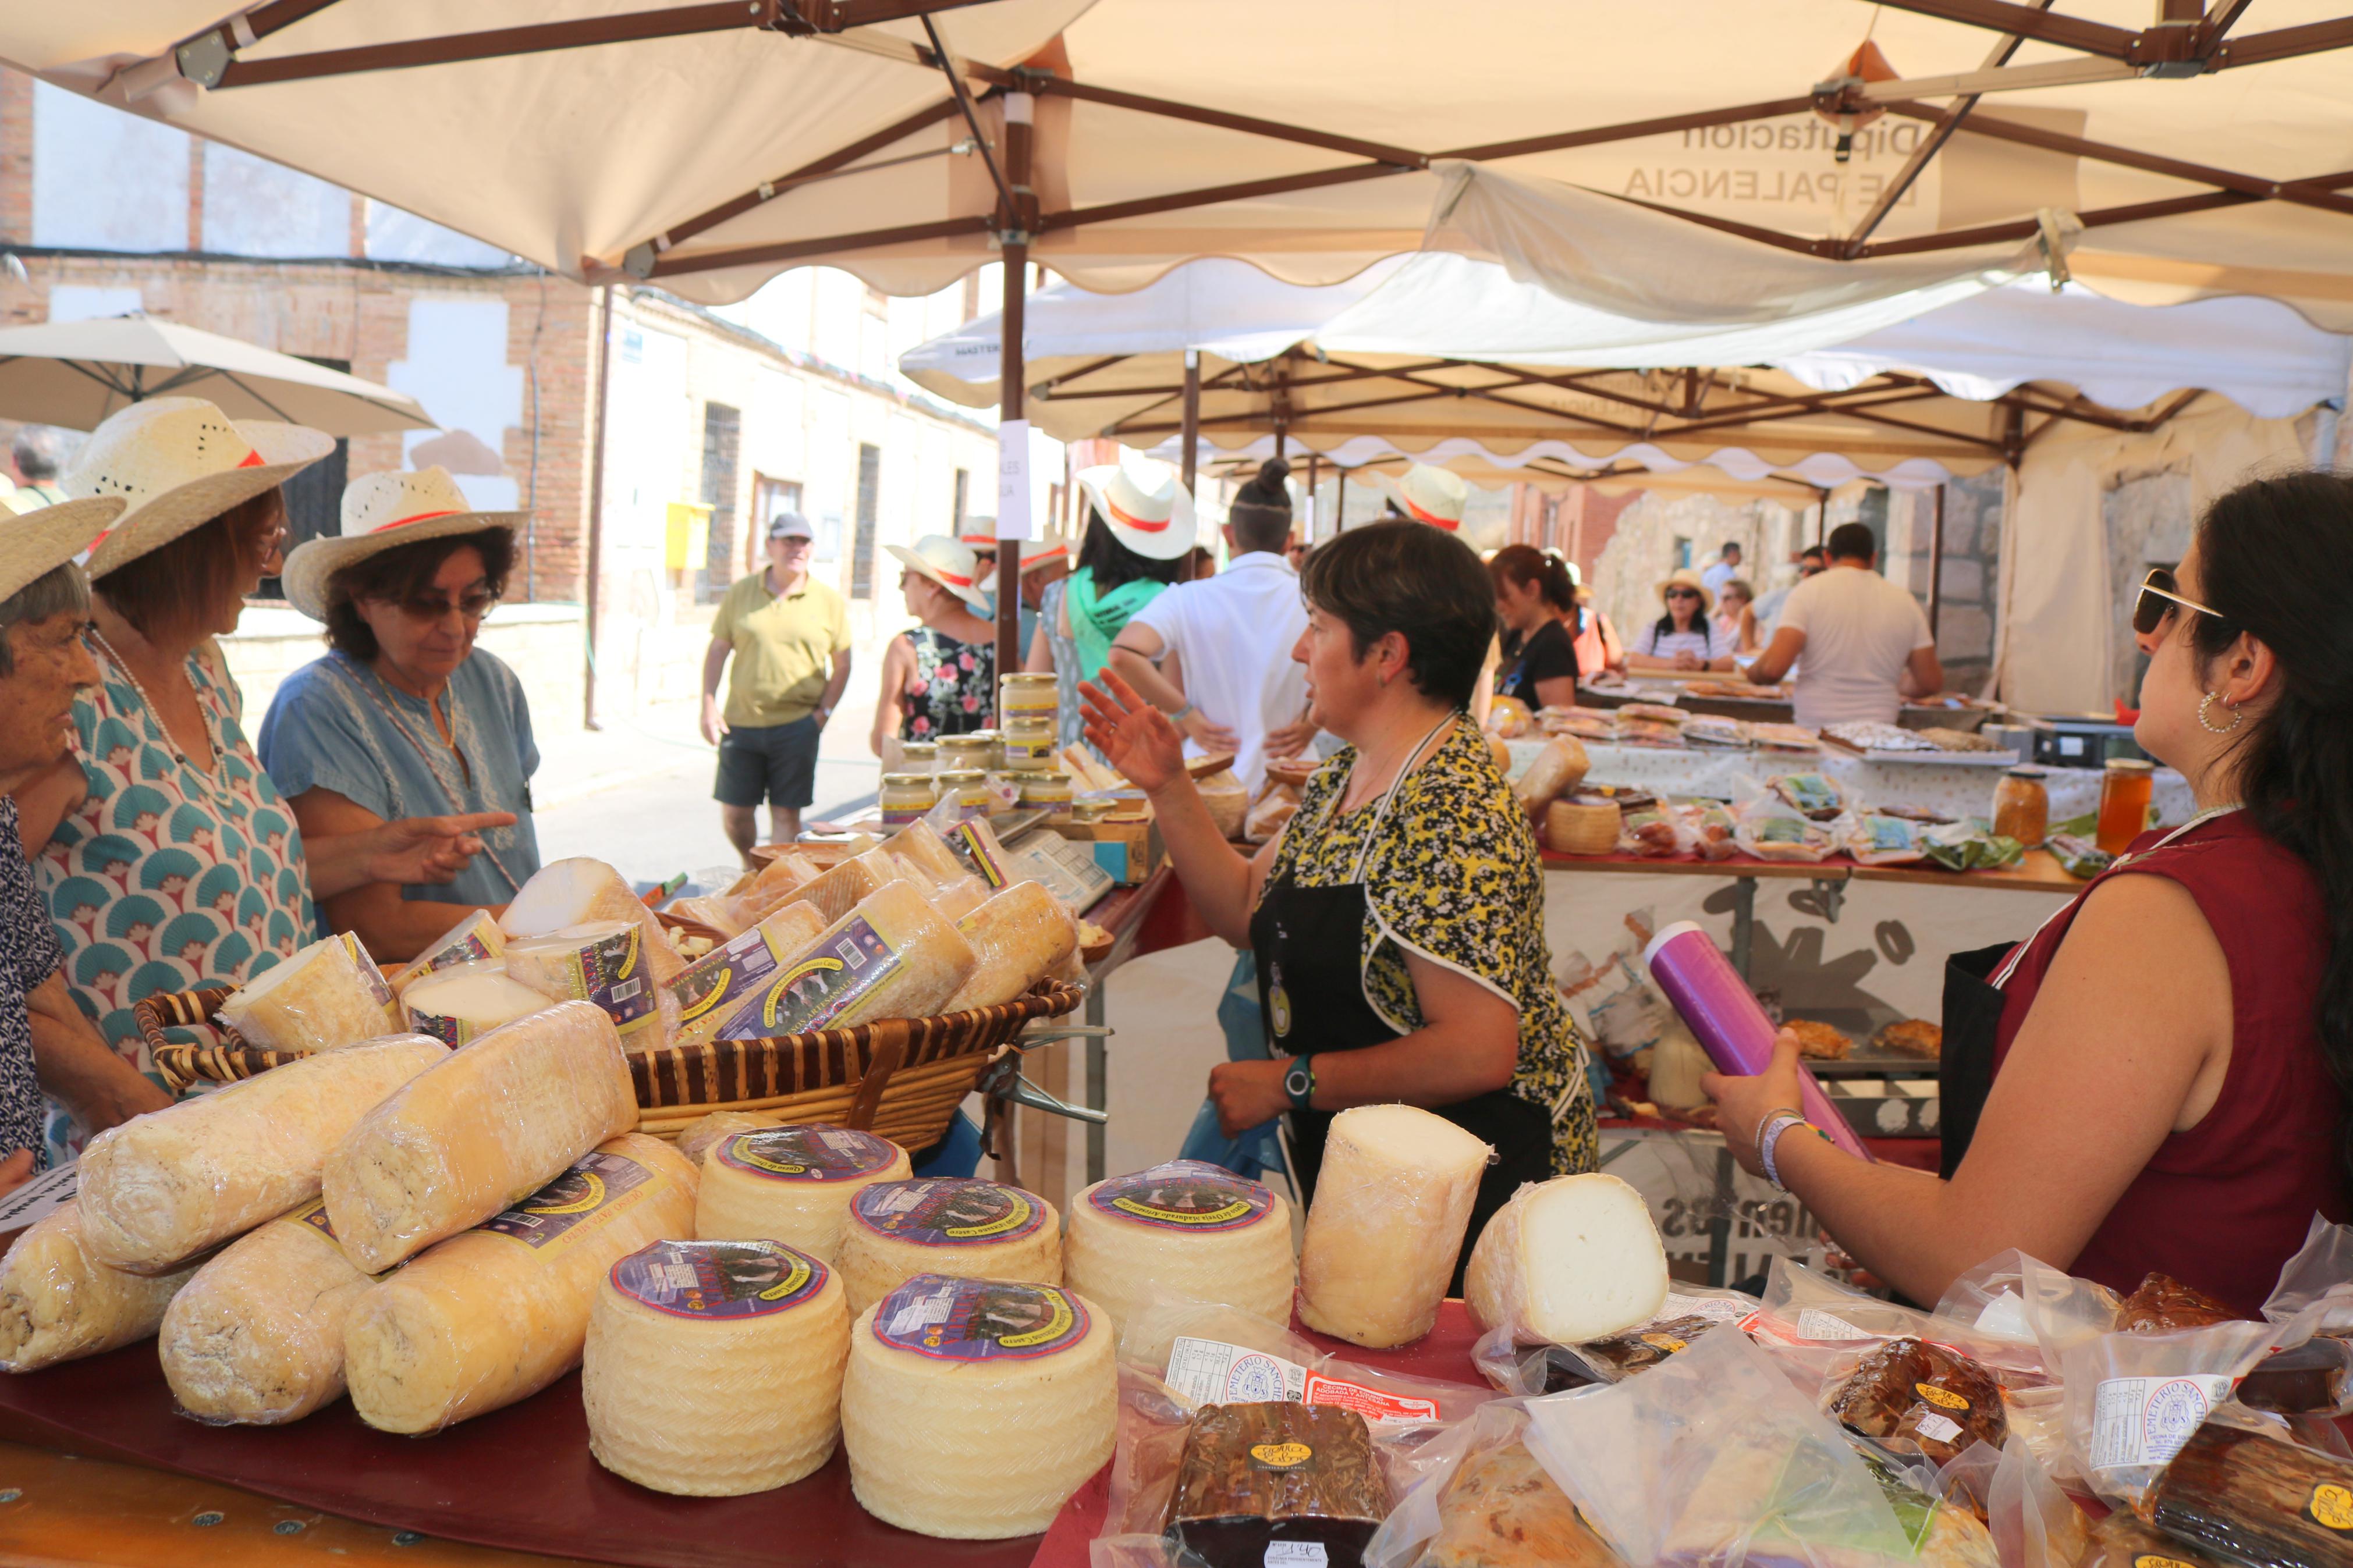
(1485, 1502)
(2132, 1400)
(1766, 826)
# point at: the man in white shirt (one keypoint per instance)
(1724, 571)
(1866, 642)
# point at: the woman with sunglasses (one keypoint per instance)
(1686, 637)
(2156, 1080)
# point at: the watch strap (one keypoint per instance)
(1301, 1066)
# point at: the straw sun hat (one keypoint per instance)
(1431, 495)
(380, 512)
(1689, 579)
(180, 462)
(34, 543)
(949, 562)
(1146, 506)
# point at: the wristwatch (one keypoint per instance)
(1300, 1081)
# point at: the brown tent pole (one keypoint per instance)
(1192, 435)
(1937, 560)
(1340, 507)
(1012, 376)
(595, 551)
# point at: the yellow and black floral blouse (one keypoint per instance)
(1451, 872)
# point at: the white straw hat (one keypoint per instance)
(180, 462)
(1430, 495)
(34, 543)
(1148, 509)
(948, 562)
(380, 512)
(1037, 553)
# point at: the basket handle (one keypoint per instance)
(886, 1039)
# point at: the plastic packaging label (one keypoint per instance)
(371, 979)
(1296, 1554)
(948, 1211)
(819, 988)
(719, 1278)
(2139, 1421)
(1938, 1428)
(807, 1153)
(1715, 1309)
(979, 1320)
(1210, 1371)
(313, 1217)
(598, 1184)
(1814, 1324)
(607, 972)
(1186, 1195)
(972, 847)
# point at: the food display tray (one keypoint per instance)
(1958, 759)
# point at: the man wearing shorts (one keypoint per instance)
(790, 638)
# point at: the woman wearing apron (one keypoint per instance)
(2156, 1079)
(1398, 921)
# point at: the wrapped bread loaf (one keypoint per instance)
(1271, 1481)
(793, 1185)
(1017, 938)
(1391, 1204)
(891, 956)
(329, 995)
(58, 1302)
(472, 940)
(837, 891)
(712, 990)
(257, 1338)
(948, 1226)
(1568, 1260)
(469, 1135)
(466, 1000)
(577, 891)
(498, 1314)
(603, 961)
(163, 1188)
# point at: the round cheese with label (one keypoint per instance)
(793, 1185)
(1184, 1228)
(713, 1368)
(974, 1408)
(945, 1225)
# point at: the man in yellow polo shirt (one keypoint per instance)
(790, 638)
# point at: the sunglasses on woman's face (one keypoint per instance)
(2159, 591)
(1680, 593)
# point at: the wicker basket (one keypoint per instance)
(1577, 827)
(902, 1078)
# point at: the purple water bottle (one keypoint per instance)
(1728, 1023)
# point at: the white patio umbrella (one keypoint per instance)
(75, 373)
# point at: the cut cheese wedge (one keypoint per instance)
(927, 852)
(1018, 938)
(329, 995)
(467, 1000)
(472, 940)
(500, 1313)
(257, 1338)
(712, 990)
(1182, 1229)
(974, 1408)
(1392, 1205)
(58, 1302)
(578, 891)
(1567, 1261)
(947, 1225)
(892, 957)
(837, 891)
(603, 961)
(162, 1187)
(793, 1185)
(482, 1127)
(719, 913)
(713, 1368)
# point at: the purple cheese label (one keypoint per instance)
(809, 1153)
(971, 846)
(609, 975)
(979, 1320)
(719, 1278)
(596, 1184)
(314, 1215)
(819, 986)
(947, 1211)
(1185, 1194)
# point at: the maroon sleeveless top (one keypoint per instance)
(2223, 1206)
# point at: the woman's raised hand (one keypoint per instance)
(1133, 735)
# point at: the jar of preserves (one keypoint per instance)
(905, 797)
(919, 756)
(1030, 742)
(1047, 789)
(1022, 695)
(975, 750)
(2021, 806)
(2126, 785)
(968, 787)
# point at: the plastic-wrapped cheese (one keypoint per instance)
(712, 990)
(959, 898)
(947, 1225)
(467, 1000)
(162, 1187)
(719, 913)
(1391, 1204)
(58, 1302)
(974, 1408)
(917, 844)
(500, 1313)
(1019, 937)
(469, 1135)
(329, 995)
(713, 1368)
(602, 962)
(1567, 1261)
(257, 1338)
(777, 882)
(837, 891)
(698, 1138)
(1184, 1228)
(890, 957)
(793, 1185)
(472, 940)
(580, 890)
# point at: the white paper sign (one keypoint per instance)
(1013, 478)
(2146, 1420)
(39, 1197)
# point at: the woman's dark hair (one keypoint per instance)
(1667, 627)
(403, 573)
(1521, 564)
(2271, 559)
(1114, 563)
(1260, 513)
(173, 589)
(1417, 581)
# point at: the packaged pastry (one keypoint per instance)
(1711, 730)
(1913, 1037)
(1648, 732)
(2120, 1540)
(1621, 1355)
(1881, 840)
(1818, 1040)
(1585, 724)
(2163, 1304)
(1502, 1509)
(1810, 796)
(2314, 1378)
(1654, 712)
(1257, 1478)
(1783, 738)
(1912, 1397)
(1509, 718)
(2248, 1497)
(1655, 832)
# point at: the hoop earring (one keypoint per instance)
(2238, 717)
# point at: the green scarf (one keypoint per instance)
(1096, 618)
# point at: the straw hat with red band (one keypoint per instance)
(948, 562)
(36, 542)
(180, 462)
(1037, 554)
(1425, 494)
(383, 511)
(1147, 507)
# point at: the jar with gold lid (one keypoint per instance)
(968, 787)
(2021, 806)
(1024, 695)
(905, 797)
(919, 756)
(1030, 742)
(1047, 789)
(975, 750)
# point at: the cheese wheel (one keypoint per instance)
(1018, 937)
(329, 995)
(1567, 1261)
(890, 957)
(927, 852)
(472, 940)
(712, 990)
(601, 962)
(1184, 1228)
(58, 1302)
(500, 1313)
(482, 1127)
(695, 1142)
(465, 1001)
(837, 891)
(579, 891)
(713, 1368)
(947, 1225)
(1391, 1204)
(162, 1187)
(257, 1338)
(792, 1185)
(974, 1408)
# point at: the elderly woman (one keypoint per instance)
(939, 676)
(404, 714)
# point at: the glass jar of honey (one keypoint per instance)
(1030, 741)
(919, 756)
(2127, 786)
(904, 798)
(1048, 790)
(968, 787)
(977, 750)
(2021, 806)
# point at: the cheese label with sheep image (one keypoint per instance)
(948, 1211)
(714, 1279)
(819, 986)
(979, 1320)
(1187, 1196)
(597, 1187)
(809, 1153)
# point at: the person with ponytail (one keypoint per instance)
(1533, 597)
(2158, 1080)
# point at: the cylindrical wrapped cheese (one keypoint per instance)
(1184, 1228)
(958, 898)
(58, 1302)
(837, 891)
(469, 1135)
(793, 1185)
(947, 1225)
(257, 1338)
(1567, 1261)
(1019, 937)
(713, 1368)
(499, 1313)
(466, 1001)
(162, 1187)
(472, 940)
(974, 1408)
(890, 957)
(601, 962)
(1391, 1204)
(329, 995)
(581, 890)
(712, 990)
(1558, 768)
